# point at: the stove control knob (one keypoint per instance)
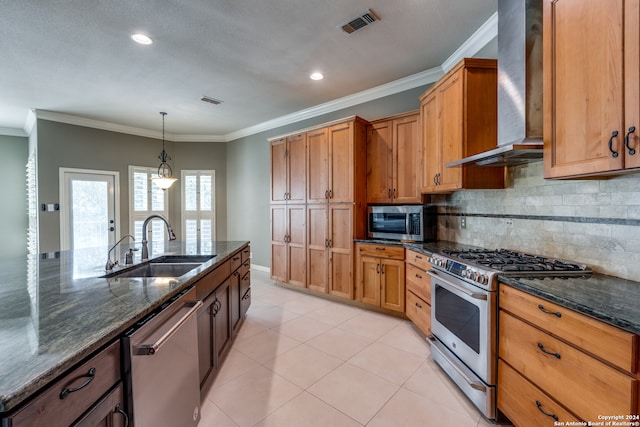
(473, 276)
(482, 278)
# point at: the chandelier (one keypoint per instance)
(164, 179)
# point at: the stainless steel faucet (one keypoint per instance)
(112, 263)
(145, 249)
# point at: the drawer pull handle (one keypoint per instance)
(118, 410)
(539, 405)
(632, 151)
(544, 350)
(418, 257)
(614, 153)
(418, 276)
(418, 305)
(380, 249)
(542, 309)
(91, 375)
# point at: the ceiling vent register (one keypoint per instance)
(211, 100)
(359, 22)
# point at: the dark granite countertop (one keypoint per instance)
(609, 299)
(54, 312)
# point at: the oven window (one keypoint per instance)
(459, 316)
(388, 222)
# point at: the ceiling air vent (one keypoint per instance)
(211, 100)
(359, 22)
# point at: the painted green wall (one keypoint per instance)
(13, 227)
(248, 170)
(71, 146)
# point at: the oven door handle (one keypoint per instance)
(473, 295)
(474, 385)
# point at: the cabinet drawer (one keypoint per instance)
(418, 282)
(382, 251)
(245, 302)
(418, 259)
(604, 341)
(246, 254)
(523, 403)
(212, 280)
(419, 312)
(245, 282)
(244, 269)
(51, 405)
(236, 261)
(583, 384)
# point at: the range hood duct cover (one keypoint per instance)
(519, 87)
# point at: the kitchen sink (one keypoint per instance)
(164, 266)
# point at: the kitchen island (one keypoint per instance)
(56, 309)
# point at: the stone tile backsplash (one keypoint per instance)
(595, 222)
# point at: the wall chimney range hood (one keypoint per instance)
(519, 87)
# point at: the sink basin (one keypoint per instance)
(164, 266)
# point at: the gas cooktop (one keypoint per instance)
(518, 263)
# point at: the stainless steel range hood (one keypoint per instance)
(519, 87)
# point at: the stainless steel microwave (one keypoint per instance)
(408, 222)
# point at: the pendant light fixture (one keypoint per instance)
(164, 179)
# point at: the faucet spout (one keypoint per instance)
(145, 248)
(112, 263)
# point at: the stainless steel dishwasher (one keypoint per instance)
(161, 365)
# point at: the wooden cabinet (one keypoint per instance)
(226, 296)
(288, 169)
(394, 160)
(459, 119)
(380, 276)
(554, 359)
(88, 395)
(418, 290)
(288, 244)
(312, 243)
(591, 112)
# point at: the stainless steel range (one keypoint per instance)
(464, 312)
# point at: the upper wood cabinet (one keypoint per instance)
(591, 87)
(288, 169)
(335, 161)
(459, 119)
(394, 159)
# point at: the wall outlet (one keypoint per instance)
(250, 255)
(463, 222)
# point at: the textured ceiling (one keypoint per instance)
(75, 56)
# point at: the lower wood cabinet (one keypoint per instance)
(89, 395)
(555, 362)
(418, 288)
(380, 276)
(221, 314)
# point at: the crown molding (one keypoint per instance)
(480, 38)
(13, 132)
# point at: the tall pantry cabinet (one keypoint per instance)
(334, 206)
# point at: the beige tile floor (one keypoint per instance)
(301, 360)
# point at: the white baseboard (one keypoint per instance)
(260, 268)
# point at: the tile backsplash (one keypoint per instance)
(594, 222)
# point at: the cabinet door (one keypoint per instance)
(379, 162)
(430, 145)
(206, 356)
(450, 106)
(278, 247)
(297, 168)
(341, 250)
(296, 245)
(632, 82)
(392, 283)
(278, 170)
(221, 320)
(317, 166)
(369, 280)
(317, 248)
(583, 99)
(107, 412)
(407, 160)
(341, 163)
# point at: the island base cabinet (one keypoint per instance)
(66, 402)
(108, 412)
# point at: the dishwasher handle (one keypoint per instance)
(151, 349)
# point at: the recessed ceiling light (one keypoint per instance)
(141, 38)
(316, 76)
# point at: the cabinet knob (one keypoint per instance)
(614, 153)
(631, 130)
